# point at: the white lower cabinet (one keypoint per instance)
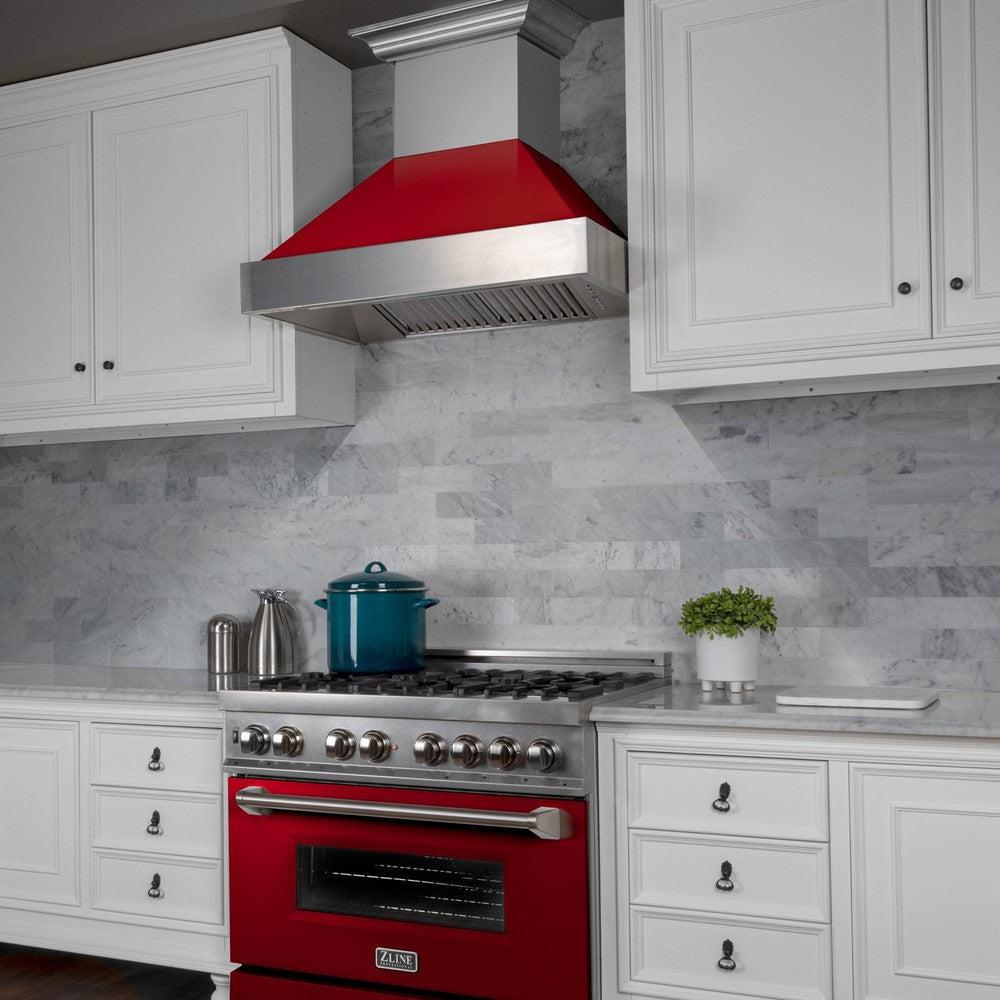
(39, 812)
(112, 831)
(159, 888)
(927, 904)
(833, 867)
(769, 959)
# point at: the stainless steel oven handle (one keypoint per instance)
(548, 822)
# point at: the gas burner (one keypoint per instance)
(464, 682)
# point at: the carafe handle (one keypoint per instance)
(292, 611)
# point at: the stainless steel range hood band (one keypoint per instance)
(570, 269)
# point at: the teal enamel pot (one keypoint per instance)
(375, 622)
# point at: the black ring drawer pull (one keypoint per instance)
(721, 804)
(957, 283)
(725, 883)
(154, 824)
(726, 963)
(154, 888)
(154, 760)
(904, 288)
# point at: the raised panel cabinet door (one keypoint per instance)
(778, 178)
(183, 195)
(927, 909)
(39, 812)
(45, 267)
(965, 136)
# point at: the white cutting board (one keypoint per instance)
(858, 697)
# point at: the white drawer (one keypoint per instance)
(188, 890)
(157, 822)
(766, 878)
(187, 760)
(782, 799)
(779, 961)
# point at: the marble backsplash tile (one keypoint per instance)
(545, 504)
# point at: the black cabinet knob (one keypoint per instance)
(904, 288)
(726, 963)
(154, 824)
(957, 284)
(721, 804)
(109, 366)
(725, 882)
(79, 367)
(154, 760)
(154, 888)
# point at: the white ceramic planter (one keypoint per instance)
(721, 660)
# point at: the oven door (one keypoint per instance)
(459, 892)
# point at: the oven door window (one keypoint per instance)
(448, 892)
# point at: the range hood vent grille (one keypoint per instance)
(488, 308)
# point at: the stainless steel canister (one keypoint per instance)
(224, 645)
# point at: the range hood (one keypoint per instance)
(473, 224)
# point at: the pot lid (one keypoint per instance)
(376, 578)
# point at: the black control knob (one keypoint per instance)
(504, 753)
(467, 751)
(957, 284)
(544, 755)
(287, 742)
(429, 749)
(904, 288)
(254, 740)
(79, 367)
(375, 746)
(340, 744)
(109, 366)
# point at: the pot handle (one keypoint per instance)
(370, 568)
(321, 603)
(426, 602)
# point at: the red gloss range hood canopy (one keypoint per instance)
(473, 224)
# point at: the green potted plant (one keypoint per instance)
(726, 626)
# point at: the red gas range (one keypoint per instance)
(420, 834)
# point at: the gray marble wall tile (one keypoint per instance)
(544, 503)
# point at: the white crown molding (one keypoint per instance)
(548, 24)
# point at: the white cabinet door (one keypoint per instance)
(927, 905)
(45, 268)
(39, 812)
(778, 178)
(183, 193)
(965, 134)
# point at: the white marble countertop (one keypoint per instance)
(176, 686)
(956, 713)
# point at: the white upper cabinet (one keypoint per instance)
(194, 161)
(182, 187)
(45, 274)
(965, 134)
(779, 195)
(927, 908)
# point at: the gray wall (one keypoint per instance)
(544, 503)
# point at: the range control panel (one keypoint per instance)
(410, 750)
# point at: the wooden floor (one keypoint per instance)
(52, 975)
